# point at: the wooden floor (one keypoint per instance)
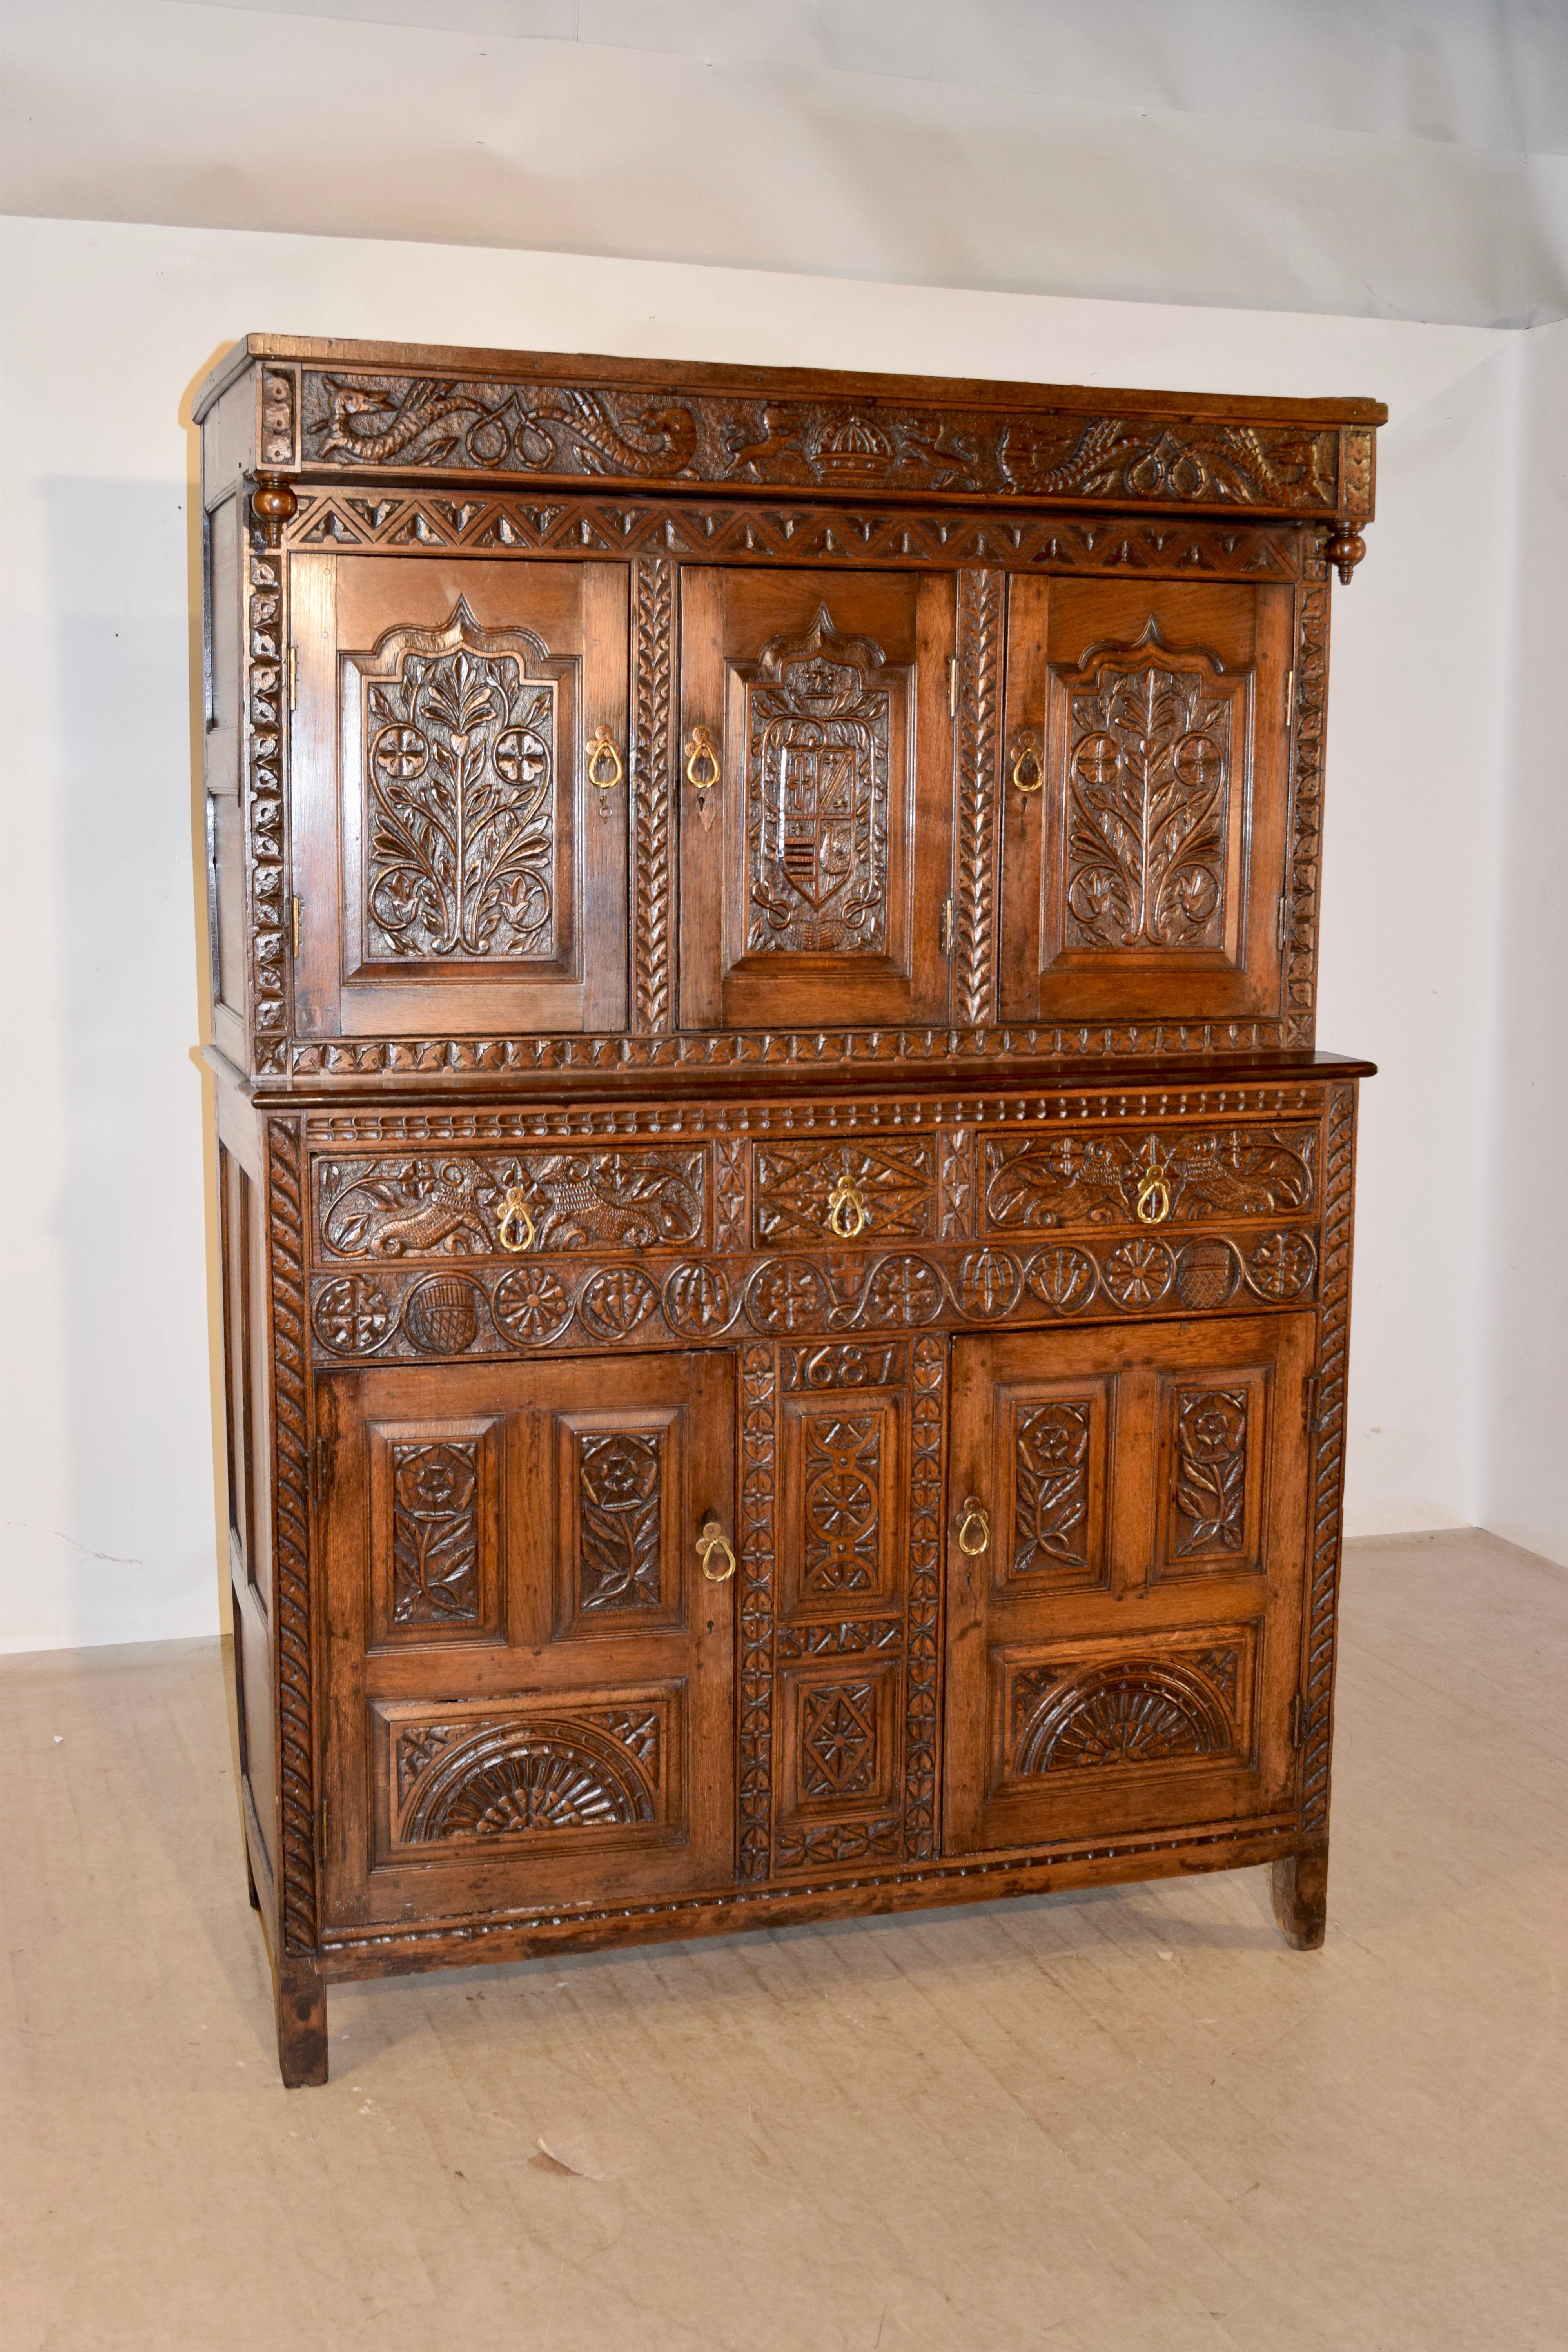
(1077, 2123)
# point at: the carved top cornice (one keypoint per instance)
(338, 411)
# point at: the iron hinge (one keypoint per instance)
(1282, 922)
(321, 1466)
(947, 926)
(1310, 1403)
(323, 1822)
(1297, 1721)
(953, 685)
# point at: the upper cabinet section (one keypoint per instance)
(568, 713)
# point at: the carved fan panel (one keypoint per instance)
(817, 786)
(534, 1777)
(1181, 1701)
(462, 742)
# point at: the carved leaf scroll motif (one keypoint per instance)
(460, 800)
(1050, 1488)
(816, 813)
(1210, 1488)
(435, 1535)
(619, 1512)
(1149, 759)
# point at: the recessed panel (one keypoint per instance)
(435, 1550)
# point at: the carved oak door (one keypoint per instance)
(457, 795)
(532, 1684)
(815, 797)
(1127, 1555)
(1145, 783)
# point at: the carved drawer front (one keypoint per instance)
(1127, 1549)
(1146, 1177)
(524, 1202)
(1145, 783)
(829, 1194)
(530, 1680)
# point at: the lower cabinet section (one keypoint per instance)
(531, 1682)
(622, 1628)
(1126, 1578)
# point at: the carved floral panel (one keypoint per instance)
(1050, 1487)
(1149, 761)
(619, 1520)
(817, 720)
(1208, 1495)
(460, 749)
(435, 1534)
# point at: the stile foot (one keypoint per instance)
(1300, 1888)
(301, 1997)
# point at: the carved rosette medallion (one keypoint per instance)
(531, 1306)
(817, 789)
(352, 1316)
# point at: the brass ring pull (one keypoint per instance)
(1154, 1189)
(1029, 768)
(701, 755)
(846, 1211)
(514, 1218)
(973, 1527)
(601, 749)
(711, 1537)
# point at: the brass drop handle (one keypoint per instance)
(1153, 1202)
(711, 1539)
(514, 1219)
(604, 761)
(973, 1527)
(846, 1211)
(702, 765)
(1029, 768)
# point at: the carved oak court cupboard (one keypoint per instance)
(785, 1238)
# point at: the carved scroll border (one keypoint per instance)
(291, 1533)
(1328, 1456)
(979, 647)
(652, 891)
(498, 526)
(923, 1642)
(759, 1481)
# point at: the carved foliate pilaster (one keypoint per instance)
(1310, 722)
(758, 1484)
(924, 1598)
(979, 715)
(266, 709)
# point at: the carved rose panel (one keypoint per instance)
(436, 1535)
(817, 795)
(619, 1521)
(1050, 1487)
(1208, 1512)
